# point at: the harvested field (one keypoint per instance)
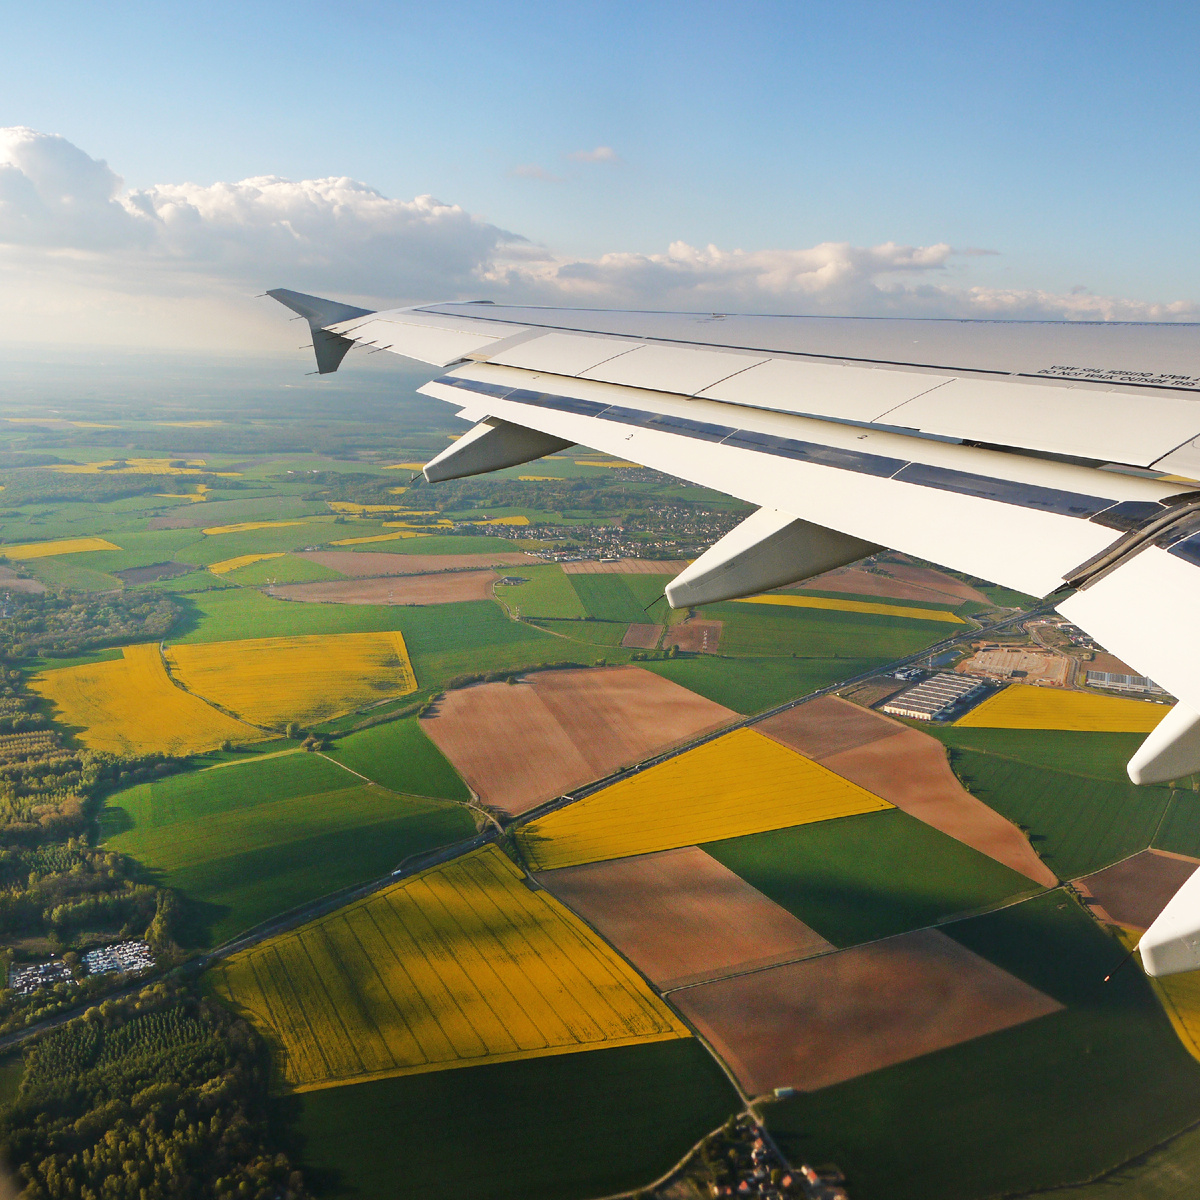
(1042, 665)
(789, 600)
(642, 637)
(681, 917)
(695, 635)
(361, 563)
(1022, 706)
(828, 725)
(12, 582)
(556, 730)
(812, 1024)
(1100, 661)
(151, 574)
(900, 583)
(447, 588)
(457, 966)
(1134, 891)
(908, 768)
(82, 545)
(738, 784)
(129, 705)
(307, 678)
(625, 566)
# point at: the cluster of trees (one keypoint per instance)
(160, 1096)
(34, 486)
(63, 625)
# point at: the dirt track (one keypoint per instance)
(695, 635)
(1135, 891)
(682, 917)
(812, 1024)
(394, 589)
(358, 565)
(518, 745)
(910, 769)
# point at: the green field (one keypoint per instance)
(750, 685)
(763, 629)
(1053, 1101)
(858, 878)
(231, 613)
(589, 633)
(315, 531)
(62, 573)
(607, 598)
(399, 756)
(567, 1127)
(1180, 828)
(1096, 755)
(546, 592)
(246, 841)
(288, 569)
(467, 543)
(1077, 824)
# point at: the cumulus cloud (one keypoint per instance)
(176, 263)
(599, 154)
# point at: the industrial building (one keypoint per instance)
(934, 697)
(1125, 683)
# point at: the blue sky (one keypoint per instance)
(1060, 136)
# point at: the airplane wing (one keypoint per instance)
(1059, 459)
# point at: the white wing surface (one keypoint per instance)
(1060, 459)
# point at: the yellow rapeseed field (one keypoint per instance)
(63, 546)
(457, 966)
(246, 526)
(378, 537)
(585, 462)
(1021, 706)
(540, 478)
(503, 521)
(857, 606)
(1180, 997)
(349, 506)
(244, 560)
(737, 784)
(272, 681)
(130, 706)
(140, 466)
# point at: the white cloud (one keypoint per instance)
(599, 154)
(175, 264)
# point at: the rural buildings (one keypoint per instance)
(935, 697)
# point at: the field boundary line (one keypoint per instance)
(243, 762)
(166, 666)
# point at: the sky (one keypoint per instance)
(162, 164)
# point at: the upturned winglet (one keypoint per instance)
(330, 348)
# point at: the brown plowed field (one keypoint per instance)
(900, 583)
(624, 566)
(359, 565)
(642, 637)
(811, 1024)
(518, 745)
(695, 635)
(12, 582)
(907, 767)
(1135, 891)
(444, 588)
(681, 917)
(1109, 663)
(828, 725)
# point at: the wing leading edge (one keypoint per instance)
(1062, 460)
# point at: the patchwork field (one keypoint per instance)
(243, 560)
(130, 706)
(738, 784)
(447, 588)
(544, 592)
(518, 745)
(30, 550)
(459, 965)
(681, 917)
(251, 839)
(1020, 706)
(625, 566)
(566, 1127)
(607, 597)
(811, 1024)
(360, 563)
(1134, 891)
(865, 877)
(696, 636)
(788, 600)
(900, 582)
(908, 768)
(281, 568)
(271, 681)
(398, 755)
(234, 613)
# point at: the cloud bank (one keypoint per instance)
(85, 257)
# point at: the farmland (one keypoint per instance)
(271, 681)
(1020, 706)
(460, 964)
(544, 592)
(865, 877)
(248, 840)
(47, 549)
(130, 706)
(855, 606)
(398, 755)
(1002, 1114)
(741, 783)
(567, 1127)
(607, 597)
